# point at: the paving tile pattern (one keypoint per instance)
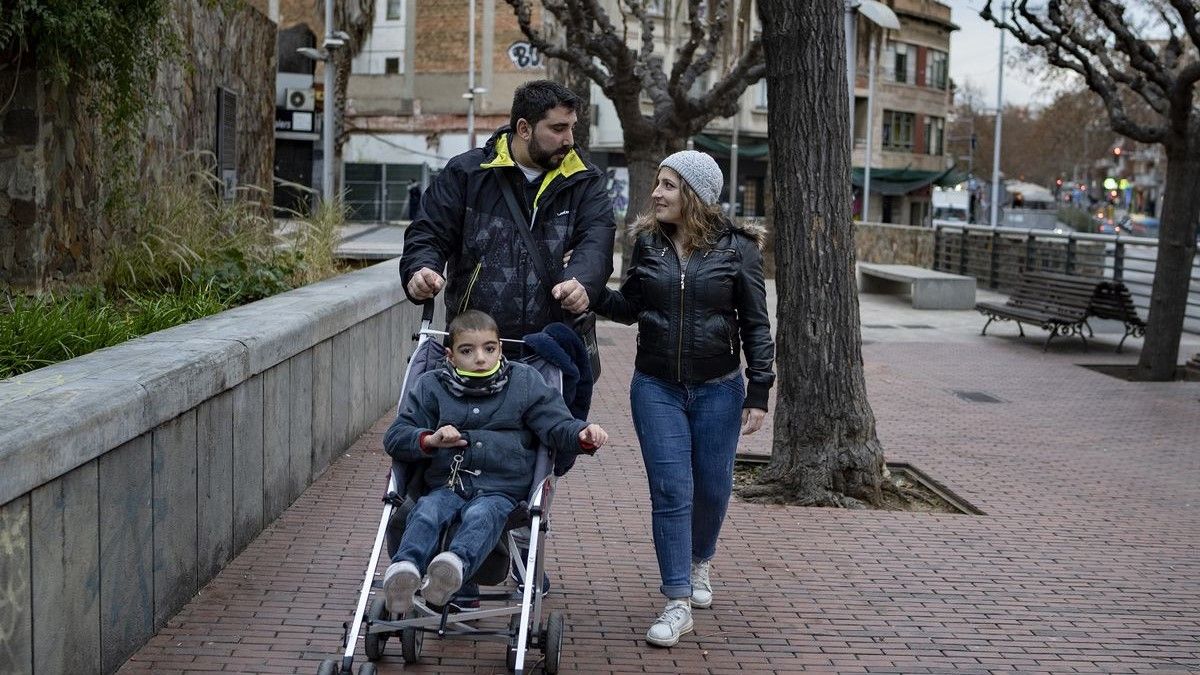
(1085, 559)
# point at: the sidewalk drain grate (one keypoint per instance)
(976, 396)
(923, 326)
(607, 341)
(877, 325)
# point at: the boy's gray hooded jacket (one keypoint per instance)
(500, 430)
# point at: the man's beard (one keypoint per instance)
(546, 159)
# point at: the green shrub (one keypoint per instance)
(37, 332)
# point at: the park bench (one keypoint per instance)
(1062, 303)
(930, 289)
(1112, 300)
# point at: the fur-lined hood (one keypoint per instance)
(754, 230)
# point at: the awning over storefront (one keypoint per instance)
(904, 181)
(750, 148)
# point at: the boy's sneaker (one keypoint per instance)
(445, 577)
(701, 585)
(400, 581)
(675, 620)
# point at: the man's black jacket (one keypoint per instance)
(465, 226)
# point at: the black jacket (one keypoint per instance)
(464, 226)
(692, 322)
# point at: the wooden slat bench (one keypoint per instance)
(1062, 304)
(1058, 303)
(930, 289)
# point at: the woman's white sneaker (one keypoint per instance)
(701, 586)
(675, 620)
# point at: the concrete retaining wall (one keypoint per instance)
(130, 476)
(894, 244)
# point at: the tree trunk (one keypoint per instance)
(825, 450)
(1176, 251)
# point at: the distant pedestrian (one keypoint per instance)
(695, 287)
(414, 200)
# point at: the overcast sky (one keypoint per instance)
(975, 56)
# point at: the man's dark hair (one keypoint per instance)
(533, 99)
(472, 319)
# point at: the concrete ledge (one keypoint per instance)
(930, 289)
(56, 418)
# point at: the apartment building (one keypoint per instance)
(408, 104)
(911, 102)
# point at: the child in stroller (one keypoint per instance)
(476, 419)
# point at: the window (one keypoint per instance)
(761, 103)
(391, 66)
(936, 69)
(900, 63)
(226, 145)
(395, 10)
(898, 130)
(934, 134)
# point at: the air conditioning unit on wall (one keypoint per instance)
(299, 99)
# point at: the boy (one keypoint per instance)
(475, 418)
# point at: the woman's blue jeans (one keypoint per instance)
(689, 435)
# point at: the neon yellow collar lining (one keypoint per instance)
(571, 165)
(470, 373)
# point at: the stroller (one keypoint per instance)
(511, 612)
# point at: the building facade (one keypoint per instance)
(912, 100)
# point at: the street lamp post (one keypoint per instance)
(333, 40)
(999, 120)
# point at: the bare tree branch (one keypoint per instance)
(1189, 16)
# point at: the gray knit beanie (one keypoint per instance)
(698, 170)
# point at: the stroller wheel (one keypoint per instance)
(328, 667)
(552, 646)
(410, 641)
(373, 643)
(366, 669)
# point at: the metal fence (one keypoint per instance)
(998, 257)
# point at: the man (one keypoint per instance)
(465, 225)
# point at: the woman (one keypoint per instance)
(695, 287)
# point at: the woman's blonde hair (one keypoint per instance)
(702, 223)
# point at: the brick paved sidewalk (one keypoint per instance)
(1084, 562)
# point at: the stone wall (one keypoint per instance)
(129, 477)
(54, 159)
(899, 244)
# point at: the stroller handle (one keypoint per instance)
(427, 310)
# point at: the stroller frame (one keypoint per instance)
(453, 621)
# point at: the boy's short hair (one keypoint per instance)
(533, 99)
(472, 319)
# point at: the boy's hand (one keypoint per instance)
(593, 436)
(752, 420)
(445, 437)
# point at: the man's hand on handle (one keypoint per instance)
(425, 284)
(752, 420)
(572, 295)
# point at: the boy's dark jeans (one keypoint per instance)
(481, 517)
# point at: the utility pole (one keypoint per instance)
(999, 121)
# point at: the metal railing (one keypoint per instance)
(998, 257)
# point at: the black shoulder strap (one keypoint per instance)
(522, 226)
